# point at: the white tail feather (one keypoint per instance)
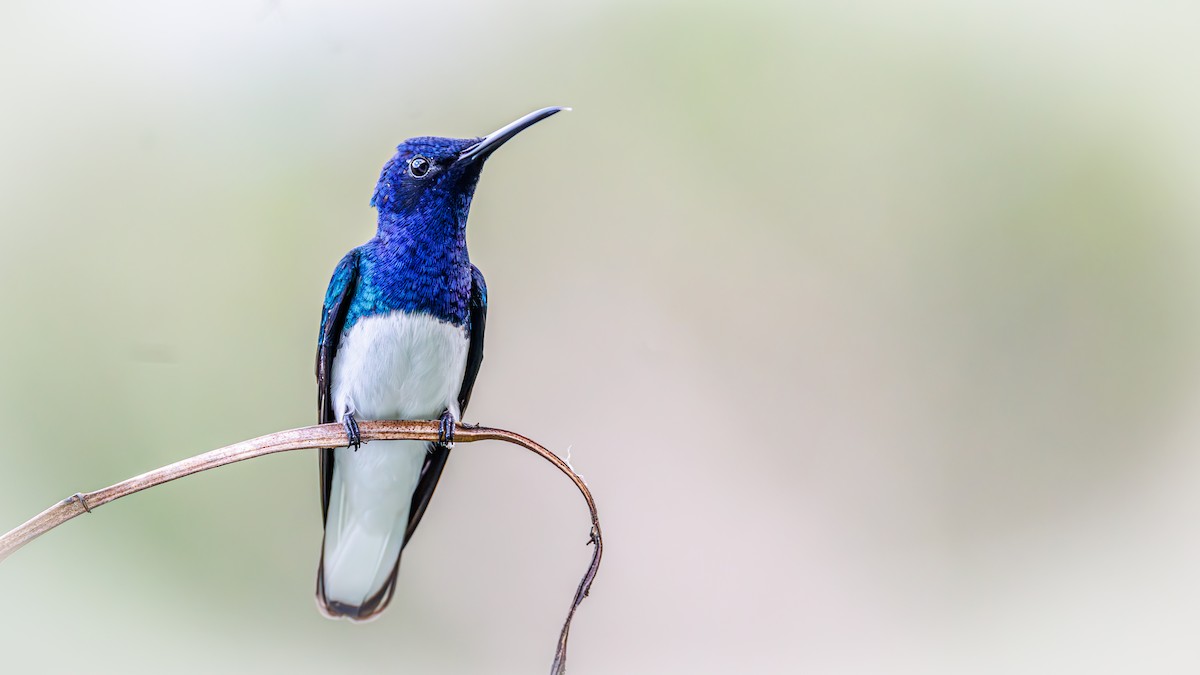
(369, 506)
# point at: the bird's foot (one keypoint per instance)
(78, 497)
(446, 430)
(352, 434)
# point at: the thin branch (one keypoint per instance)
(319, 436)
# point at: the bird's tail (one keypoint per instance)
(369, 502)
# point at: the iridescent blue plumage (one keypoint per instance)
(417, 261)
(401, 338)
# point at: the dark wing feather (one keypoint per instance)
(333, 318)
(478, 319)
(435, 461)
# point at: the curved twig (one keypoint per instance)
(318, 436)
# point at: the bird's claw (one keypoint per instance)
(78, 497)
(352, 435)
(446, 430)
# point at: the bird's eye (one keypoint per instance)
(419, 166)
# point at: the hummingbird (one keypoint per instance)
(401, 339)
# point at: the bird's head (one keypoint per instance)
(431, 179)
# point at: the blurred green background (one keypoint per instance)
(872, 325)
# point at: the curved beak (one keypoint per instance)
(494, 140)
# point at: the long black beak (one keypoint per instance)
(498, 137)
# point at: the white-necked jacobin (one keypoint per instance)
(401, 338)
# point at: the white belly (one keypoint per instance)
(396, 366)
(399, 366)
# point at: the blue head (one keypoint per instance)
(428, 184)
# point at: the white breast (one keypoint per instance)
(399, 366)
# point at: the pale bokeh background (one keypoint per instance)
(873, 326)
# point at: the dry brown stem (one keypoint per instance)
(319, 436)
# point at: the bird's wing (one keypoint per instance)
(435, 461)
(333, 318)
(478, 319)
